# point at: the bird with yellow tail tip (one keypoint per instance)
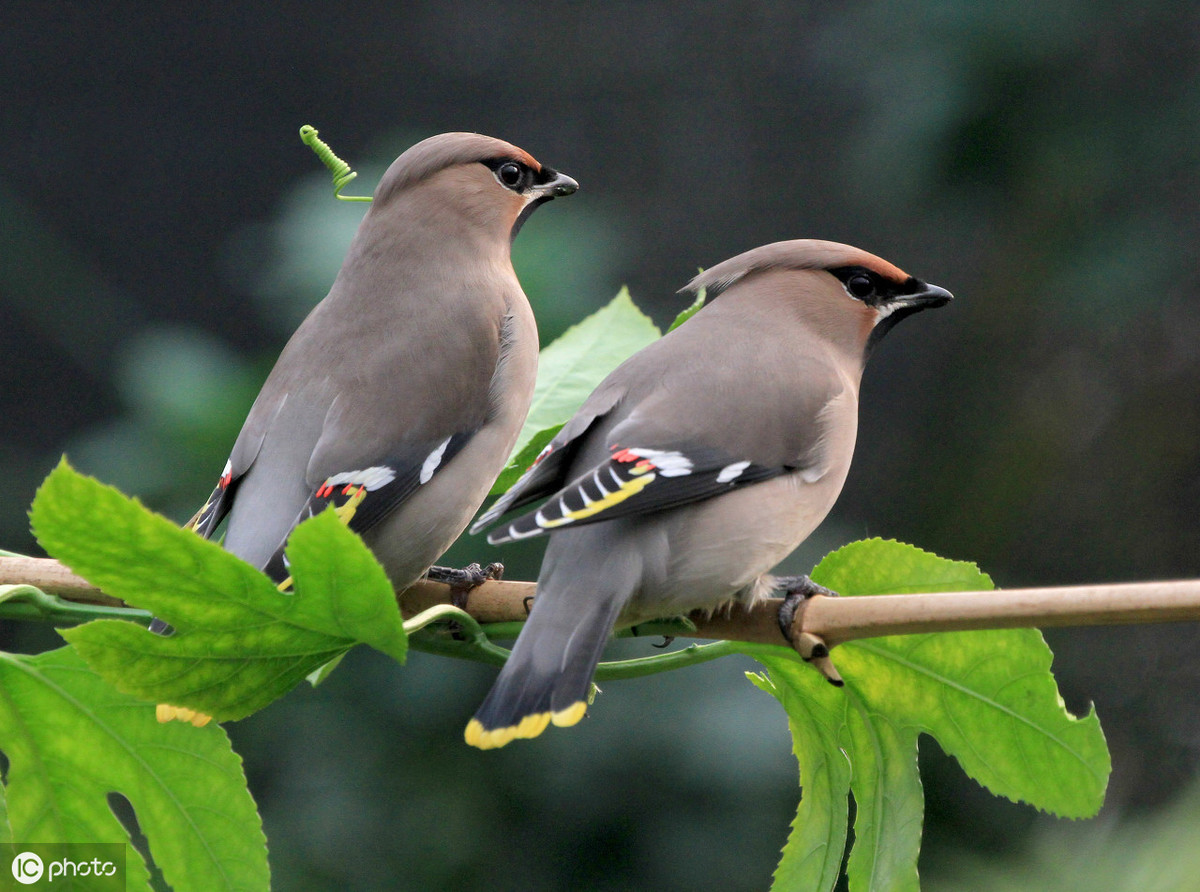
(695, 467)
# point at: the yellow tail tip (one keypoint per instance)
(165, 712)
(529, 726)
(565, 718)
(488, 739)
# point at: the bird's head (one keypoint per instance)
(485, 182)
(843, 293)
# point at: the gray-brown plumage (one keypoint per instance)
(696, 466)
(401, 395)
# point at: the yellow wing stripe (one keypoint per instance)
(199, 515)
(628, 488)
(530, 726)
(345, 512)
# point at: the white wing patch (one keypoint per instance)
(667, 464)
(732, 472)
(432, 461)
(370, 478)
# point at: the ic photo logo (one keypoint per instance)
(102, 873)
(27, 868)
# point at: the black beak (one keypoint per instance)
(554, 184)
(928, 296)
(922, 297)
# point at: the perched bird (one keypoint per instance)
(695, 467)
(400, 397)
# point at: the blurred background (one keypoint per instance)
(163, 230)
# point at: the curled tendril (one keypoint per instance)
(340, 170)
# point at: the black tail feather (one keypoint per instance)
(548, 677)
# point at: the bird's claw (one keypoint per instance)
(462, 581)
(811, 648)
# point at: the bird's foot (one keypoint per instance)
(796, 590)
(812, 648)
(462, 581)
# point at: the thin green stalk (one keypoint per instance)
(26, 602)
(473, 646)
(692, 655)
(476, 644)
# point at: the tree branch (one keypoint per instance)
(835, 620)
(52, 578)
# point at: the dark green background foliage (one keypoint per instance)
(164, 230)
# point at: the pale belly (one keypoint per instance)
(732, 542)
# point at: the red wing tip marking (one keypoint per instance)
(538, 460)
(369, 479)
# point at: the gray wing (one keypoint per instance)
(362, 427)
(684, 420)
(549, 470)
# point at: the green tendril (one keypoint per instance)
(468, 640)
(339, 169)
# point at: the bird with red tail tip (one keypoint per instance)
(695, 467)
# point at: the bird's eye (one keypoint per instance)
(510, 174)
(860, 285)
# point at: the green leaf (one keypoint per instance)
(571, 368)
(238, 643)
(318, 675)
(987, 697)
(6, 836)
(71, 740)
(524, 458)
(813, 856)
(691, 310)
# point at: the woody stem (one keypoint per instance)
(836, 620)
